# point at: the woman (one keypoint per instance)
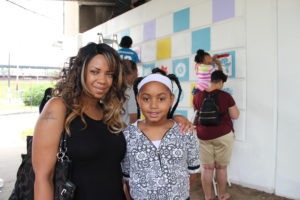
(216, 141)
(88, 106)
(91, 91)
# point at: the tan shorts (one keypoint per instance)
(217, 150)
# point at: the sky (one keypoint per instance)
(28, 34)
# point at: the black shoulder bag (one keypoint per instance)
(63, 188)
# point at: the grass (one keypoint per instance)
(17, 88)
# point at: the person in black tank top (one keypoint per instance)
(87, 105)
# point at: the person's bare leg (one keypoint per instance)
(206, 179)
(221, 177)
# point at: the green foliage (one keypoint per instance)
(34, 95)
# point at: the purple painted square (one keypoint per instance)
(149, 30)
(222, 9)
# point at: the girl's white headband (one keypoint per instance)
(158, 78)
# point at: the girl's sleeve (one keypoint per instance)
(125, 164)
(193, 158)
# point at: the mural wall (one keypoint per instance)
(167, 34)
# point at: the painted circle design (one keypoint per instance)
(180, 69)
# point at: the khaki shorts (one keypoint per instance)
(217, 150)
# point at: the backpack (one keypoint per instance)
(209, 114)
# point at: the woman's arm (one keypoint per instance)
(45, 144)
(184, 123)
(234, 112)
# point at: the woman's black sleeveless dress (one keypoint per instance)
(96, 154)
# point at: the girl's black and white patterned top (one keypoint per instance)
(160, 173)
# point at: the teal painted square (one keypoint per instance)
(147, 69)
(181, 20)
(201, 40)
(180, 68)
(182, 112)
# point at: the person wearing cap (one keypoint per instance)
(159, 159)
(216, 141)
(125, 52)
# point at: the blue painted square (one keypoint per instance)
(182, 112)
(201, 40)
(147, 69)
(125, 33)
(180, 68)
(181, 20)
(228, 64)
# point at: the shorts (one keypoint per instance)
(217, 151)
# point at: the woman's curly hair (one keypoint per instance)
(72, 86)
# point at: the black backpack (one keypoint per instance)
(209, 114)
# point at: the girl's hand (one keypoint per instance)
(184, 123)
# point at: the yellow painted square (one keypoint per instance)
(163, 48)
(192, 96)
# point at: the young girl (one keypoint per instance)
(204, 69)
(159, 158)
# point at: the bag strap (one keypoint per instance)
(62, 153)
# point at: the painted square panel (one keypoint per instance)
(201, 39)
(138, 51)
(149, 51)
(181, 20)
(124, 33)
(240, 126)
(240, 8)
(192, 86)
(193, 76)
(136, 34)
(201, 14)
(222, 9)
(163, 48)
(149, 30)
(166, 63)
(164, 25)
(185, 94)
(181, 44)
(241, 63)
(237, 89)
(181, 112)
(180, 68)
(228, 35)
(147, 69)
(228, 63)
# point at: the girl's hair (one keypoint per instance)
(71, 86)
(129, 66)
(172, 77)
(199, 58)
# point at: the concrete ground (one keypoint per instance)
(237, 193)
(12, 145)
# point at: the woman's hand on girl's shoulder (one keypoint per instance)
(184, 123)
